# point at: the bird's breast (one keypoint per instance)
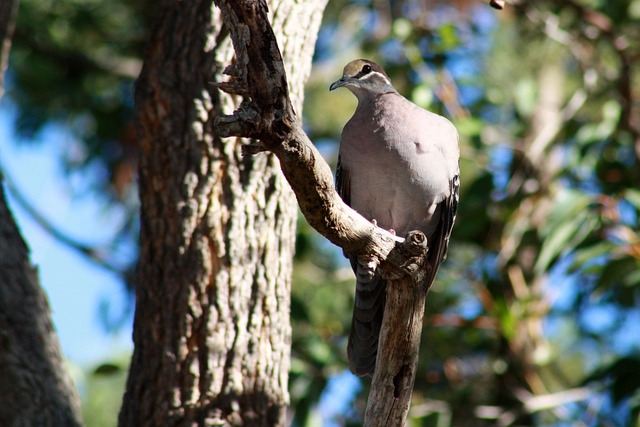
(397, 173)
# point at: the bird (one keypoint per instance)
(399, 167)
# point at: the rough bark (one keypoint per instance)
(399, 345)
(211, 328)
(35, 389)
(267, 115)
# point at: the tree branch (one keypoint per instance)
(93, 253)
(8, 12)
(268, 116)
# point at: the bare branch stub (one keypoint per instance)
(258, 75)
(408, 258)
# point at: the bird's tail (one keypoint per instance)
(368, 310)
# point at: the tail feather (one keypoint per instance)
(362, 347)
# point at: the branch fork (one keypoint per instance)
(268, 117)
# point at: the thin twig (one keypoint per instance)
(90, 252)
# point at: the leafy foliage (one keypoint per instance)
(74, 62)
(546, 240)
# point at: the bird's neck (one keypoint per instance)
(370, 95)
(369, 99)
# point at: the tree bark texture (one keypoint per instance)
(211, 328)
(398, 349)
(35, 389)
(267, 115)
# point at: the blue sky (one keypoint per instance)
(74, 285)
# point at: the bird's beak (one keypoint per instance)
(337, 84)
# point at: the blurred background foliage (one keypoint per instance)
(533, 320)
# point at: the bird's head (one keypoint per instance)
(364, 78)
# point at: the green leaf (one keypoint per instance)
(633, 196)
(470, 126)
(557, 243)
(598, 131)
(622, 271)
(568, 204)
(569, 224)
(526, 95)
(634, 12)
(448, 37)
(633, 278)
(107, 369)
(623, 373)
(422, 95)
(584, 255)
(506, 317)
(402, 28)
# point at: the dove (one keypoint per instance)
(398, 166)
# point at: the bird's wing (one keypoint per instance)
(369, 300)
(343, 182)
(439, 242)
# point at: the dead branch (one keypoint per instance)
(266, 115)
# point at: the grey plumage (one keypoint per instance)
(398, 164)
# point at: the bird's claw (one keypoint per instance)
(375, 224)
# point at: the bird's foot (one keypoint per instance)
(375, 224)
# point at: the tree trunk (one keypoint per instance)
(211, 329)
(35, 390)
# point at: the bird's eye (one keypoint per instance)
(366, 69)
